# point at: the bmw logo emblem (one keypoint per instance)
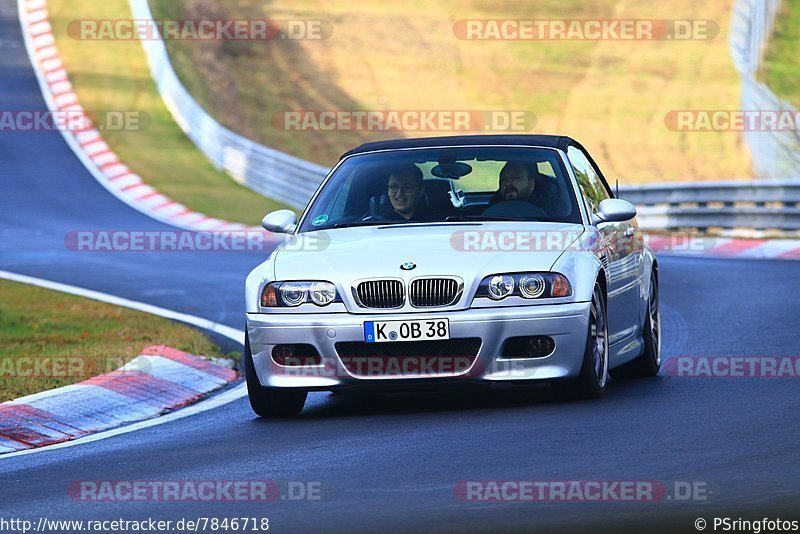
(407, 266)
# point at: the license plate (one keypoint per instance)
(385, 331)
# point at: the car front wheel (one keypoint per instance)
(270, 402)
(593, 377)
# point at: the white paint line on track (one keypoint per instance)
(45, 79)
(216, 401)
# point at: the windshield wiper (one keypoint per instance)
(451, 218)
(373, 222)
(486, 218)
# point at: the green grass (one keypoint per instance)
(113, 75)
(781, 68)
(611, 95)
(84, 337)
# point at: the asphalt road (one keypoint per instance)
(392, 462)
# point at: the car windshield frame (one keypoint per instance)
(555, 158)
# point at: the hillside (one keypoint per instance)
(611, 95)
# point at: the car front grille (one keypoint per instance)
(445, 357)
(381, 294)
(428, 292)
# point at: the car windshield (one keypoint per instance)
(445, 185)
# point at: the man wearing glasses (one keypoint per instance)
(406, 193)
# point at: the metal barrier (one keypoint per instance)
(761, 205)
(776, 155)
(270, 172)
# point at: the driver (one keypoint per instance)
(517, 182)
(406, 191)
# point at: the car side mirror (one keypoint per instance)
(281, 221)
(614, 210)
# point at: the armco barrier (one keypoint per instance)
(270, 172)
(776, 155)
(760, 205)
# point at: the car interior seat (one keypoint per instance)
(437, 194)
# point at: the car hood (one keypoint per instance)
(470, 251)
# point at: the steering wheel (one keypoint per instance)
(514, 208)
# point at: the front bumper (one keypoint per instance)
(567, 324)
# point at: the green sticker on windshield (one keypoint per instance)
(321, 219)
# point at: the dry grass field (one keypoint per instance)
(611, 95)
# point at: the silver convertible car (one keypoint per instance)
(470, 260)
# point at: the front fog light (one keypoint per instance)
(532, 286)
(500, 286)
(293, 294)
(322, 293)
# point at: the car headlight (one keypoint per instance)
(525, 285)
(322, 293)
(532, 286)
(292, 294)
(500, 286)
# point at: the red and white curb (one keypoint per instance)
(721, 247)
(88, 143)
(161, 379)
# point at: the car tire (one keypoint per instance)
(270, 402)
(649, 363)
(594, 375)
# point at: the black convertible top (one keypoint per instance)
(550, 141)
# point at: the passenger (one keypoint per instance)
(406, 193)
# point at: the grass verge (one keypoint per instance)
(50, 339)
(113, 75)
(781, 68)
(612, 95)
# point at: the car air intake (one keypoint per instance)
(296, 355)
(381, 294)
(428, 292)
(443, 357)
(528, 347)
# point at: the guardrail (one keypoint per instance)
(775, 154)
(270, 172)
(762, 205)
